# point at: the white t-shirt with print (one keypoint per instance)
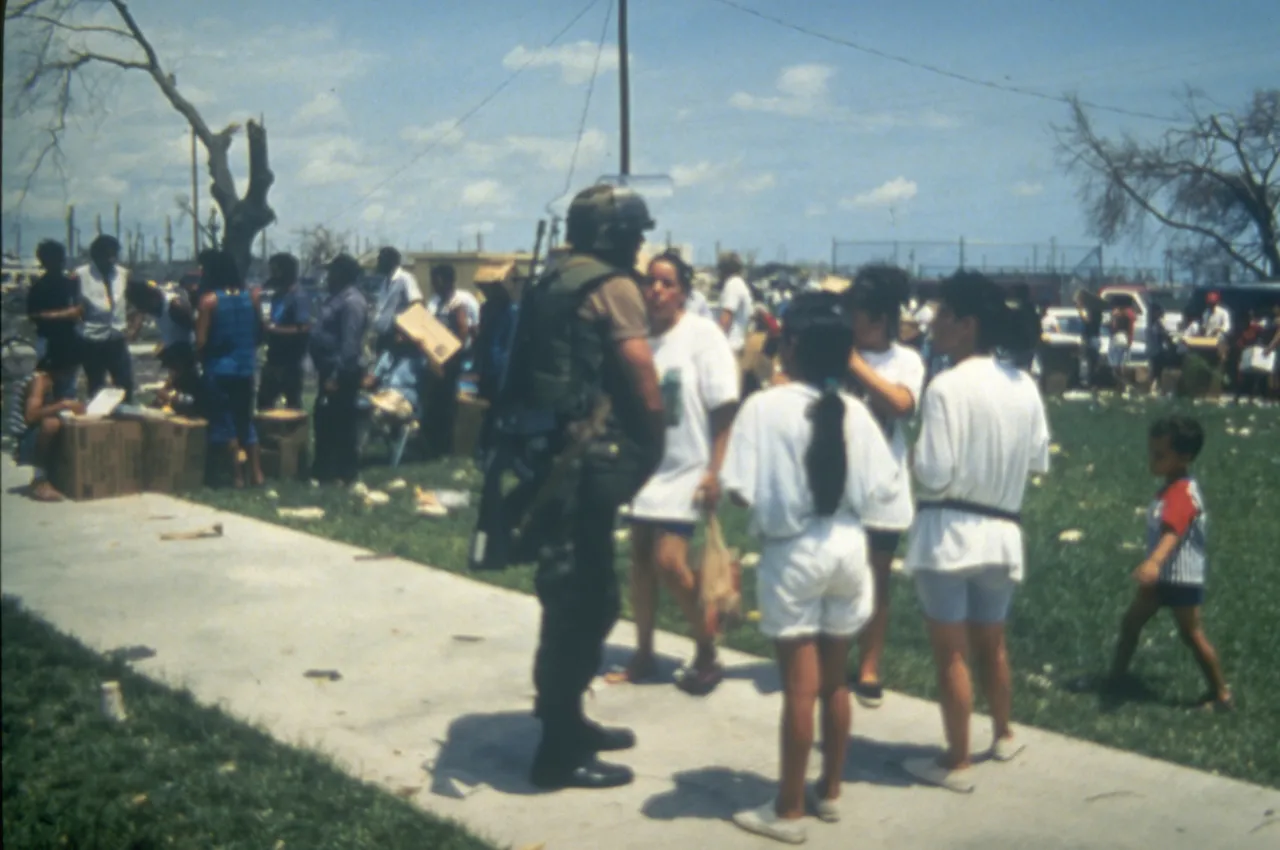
(736, 298)
(983, 430)
(765, 462)
(698, 374)
(902, 366)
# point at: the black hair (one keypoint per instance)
(219, 271)
(388, 253)
(880, 290)
(444, 274)
(684, 271)
(819, 329)
(141, 295)
(287, 263)
(66, 355)
(1005, 324)
(52, 255)
(102, 245)
(1184, 433)
(730, 263)
(344, 269)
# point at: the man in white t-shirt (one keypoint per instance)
(1216, 321)
(983, 430)
(735, 303)
(698, 376)
(399, 289)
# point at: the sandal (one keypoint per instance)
(699, 681)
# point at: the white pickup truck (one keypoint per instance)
(1140, 300)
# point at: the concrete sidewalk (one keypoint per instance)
(435, 695)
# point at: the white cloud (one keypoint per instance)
(333, 159)
(815, 210)
(895, 191)
(547, 152)
(575, 61)
(484, 193)
(445, 133)
(759, 183)
(325, 109)
(803, 91)
(373, 213)
(698, 173)
(1025, 189)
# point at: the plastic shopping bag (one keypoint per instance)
(720, 578)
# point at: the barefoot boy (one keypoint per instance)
(35, 418)
(1173, 574)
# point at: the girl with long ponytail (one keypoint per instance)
(812, 465)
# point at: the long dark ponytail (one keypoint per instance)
(817, 327)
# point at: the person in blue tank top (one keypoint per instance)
(227, 335)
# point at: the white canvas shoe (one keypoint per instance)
(827, 811)
(1007, 749)
(765, 821)
(927, 770)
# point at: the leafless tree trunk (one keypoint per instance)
(1214, 185)
(62, 49)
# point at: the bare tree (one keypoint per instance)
(1213, 184)
(320, 245)
(63, 48)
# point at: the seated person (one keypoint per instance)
(392, 386)
(35, 418)
(183, 389)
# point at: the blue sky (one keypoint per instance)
(776, 141)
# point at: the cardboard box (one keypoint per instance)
(467, 424)
(99, 459)
(286, 460)
(285, 440)
(435, 340)
(174, 452)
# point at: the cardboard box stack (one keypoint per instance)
(285, 438)
(99, 458)
(174, 452)
(435, 340)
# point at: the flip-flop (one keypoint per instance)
(927, 770)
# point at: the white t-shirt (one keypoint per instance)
(1217, 321)
(983, 431)
(736, 298)
(696, 305)
(170, 332)
(698, 374)
(902, 366)
(765, 462)
(924, 319)
(395, 295)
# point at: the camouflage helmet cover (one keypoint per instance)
(600, 215)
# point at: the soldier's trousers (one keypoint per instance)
(578, 589)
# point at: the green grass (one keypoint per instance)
(1065, 616)
(176, 774)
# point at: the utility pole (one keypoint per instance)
(168, 237)
(624, 100)
(71, 231)
(117, 220)
(17, 238)
(479, 243)
(961, 252)
(195, 201)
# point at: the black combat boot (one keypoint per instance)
(566, 760)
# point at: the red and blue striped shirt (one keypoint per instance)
(1179, 507)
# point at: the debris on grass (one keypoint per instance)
(315, 485)
(328, 675)
(1088, 470)
(453, 499)
(359, 489)
(272, 495)
(1071, 535)
(1039, 682)
(1244, 432)
(897, 565)
(398, 484)
(1130, 546)
(214, 530)
(622, 535)
(427, 504)
(749, 560)
(300, 513)
(1055, 449)
(1036, 481)
(227, 767)
(113, 702)
(376, 497)
(753, 616)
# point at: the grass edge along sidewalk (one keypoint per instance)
(174, 774)
(1065, 616)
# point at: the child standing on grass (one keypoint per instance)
(813, 466)
(1173, 575)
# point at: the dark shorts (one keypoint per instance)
(229, 409)
(666, 526)
(1179, 595)
(883, 541)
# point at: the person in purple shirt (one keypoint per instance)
(288, 329)
(337, 350)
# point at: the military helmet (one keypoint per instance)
(606, 218)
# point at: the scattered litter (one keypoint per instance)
(749, 560)
(1130, 546)
(468, 638)
(315, 485)
(159, 517)
(331, 675)
(228, 767)
(1088, 470)
(897, 565)
(359, 489)
(453, 499)
(1039, 682)
(376, 497)
(1071, 535)
(151, 387)
(404, 792)
(1048, 668)
(428, 505)
(272, 495)
(138, 799)
(279, 845)
(300, 513)
(461, 475)
(398, 484)
(374, 556)
(1244, 432)
(1036, 481)
(113, 702)
(1139, 511)
(1076, 395)
(131, 653)
(753, 616)
(1055, 449)
(622, 535)
(214, 530)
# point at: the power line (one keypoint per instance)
(485, 101)
(586, 107)
(934, 69)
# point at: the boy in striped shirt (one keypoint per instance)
(1173, 575)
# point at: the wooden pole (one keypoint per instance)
(624, 100)
(195, 201)
(71, 231)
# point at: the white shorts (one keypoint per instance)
(816, 583)
(1118, 354)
